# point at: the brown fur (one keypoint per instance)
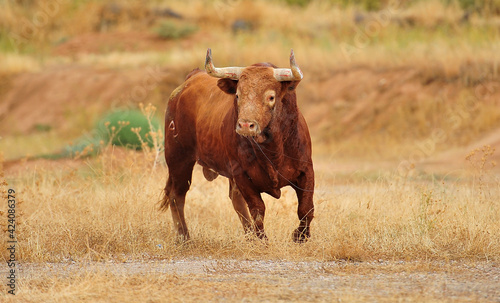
(200, 124)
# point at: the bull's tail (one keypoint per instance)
(165, 199)
(164, 202)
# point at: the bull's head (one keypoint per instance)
(258, 90)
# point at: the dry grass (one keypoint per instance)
(35, 144)
(105, 209)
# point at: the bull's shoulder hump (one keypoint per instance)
(194, 72)
(195, 78)
(176, 92)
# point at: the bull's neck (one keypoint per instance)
(283, 126)
(271, 153)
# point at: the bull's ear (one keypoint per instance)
(227, 85)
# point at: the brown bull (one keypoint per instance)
(245, 126)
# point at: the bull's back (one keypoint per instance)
(198, 108)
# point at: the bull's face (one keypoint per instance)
(257, 94)
(258, 91)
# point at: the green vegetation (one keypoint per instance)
(132, 129)
(482, 6)
(172, 30)
(128, 128)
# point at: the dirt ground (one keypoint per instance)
(336, 281)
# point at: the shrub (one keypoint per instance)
(128, 128)
(301, 3)
(172, 30)
(369, 5)
(485, 7)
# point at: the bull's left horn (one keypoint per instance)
(223, 72)
(289, 74)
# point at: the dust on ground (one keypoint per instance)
(302, 281)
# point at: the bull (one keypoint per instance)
(242, 123)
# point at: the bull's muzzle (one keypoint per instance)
(247, 128)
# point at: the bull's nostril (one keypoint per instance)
(246, 127)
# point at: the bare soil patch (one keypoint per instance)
(130, 41)
(61, 96)
(110, 42)
(190, 280)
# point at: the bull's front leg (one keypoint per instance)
(240, 206)
(257, 211)
(255, 205)
(305, 209)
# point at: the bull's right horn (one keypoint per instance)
(233, 73)
(289, 74)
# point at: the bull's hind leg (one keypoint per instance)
(179, 181)
(240, 206)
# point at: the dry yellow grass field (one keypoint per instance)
(106, 208)
(405, 122)
(92, 229)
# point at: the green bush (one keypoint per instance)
(483, 6)
(172, 30)
(369, 5)
(301, 3)
(117, 128)
(83, 147)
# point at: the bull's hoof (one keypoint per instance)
(261, 235)
(182, 239)
(301, 235)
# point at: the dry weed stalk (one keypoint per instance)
(155, 135)
(481, 163)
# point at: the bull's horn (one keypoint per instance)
(289, 74)
(224, 72)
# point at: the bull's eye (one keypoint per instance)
(271, 100)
